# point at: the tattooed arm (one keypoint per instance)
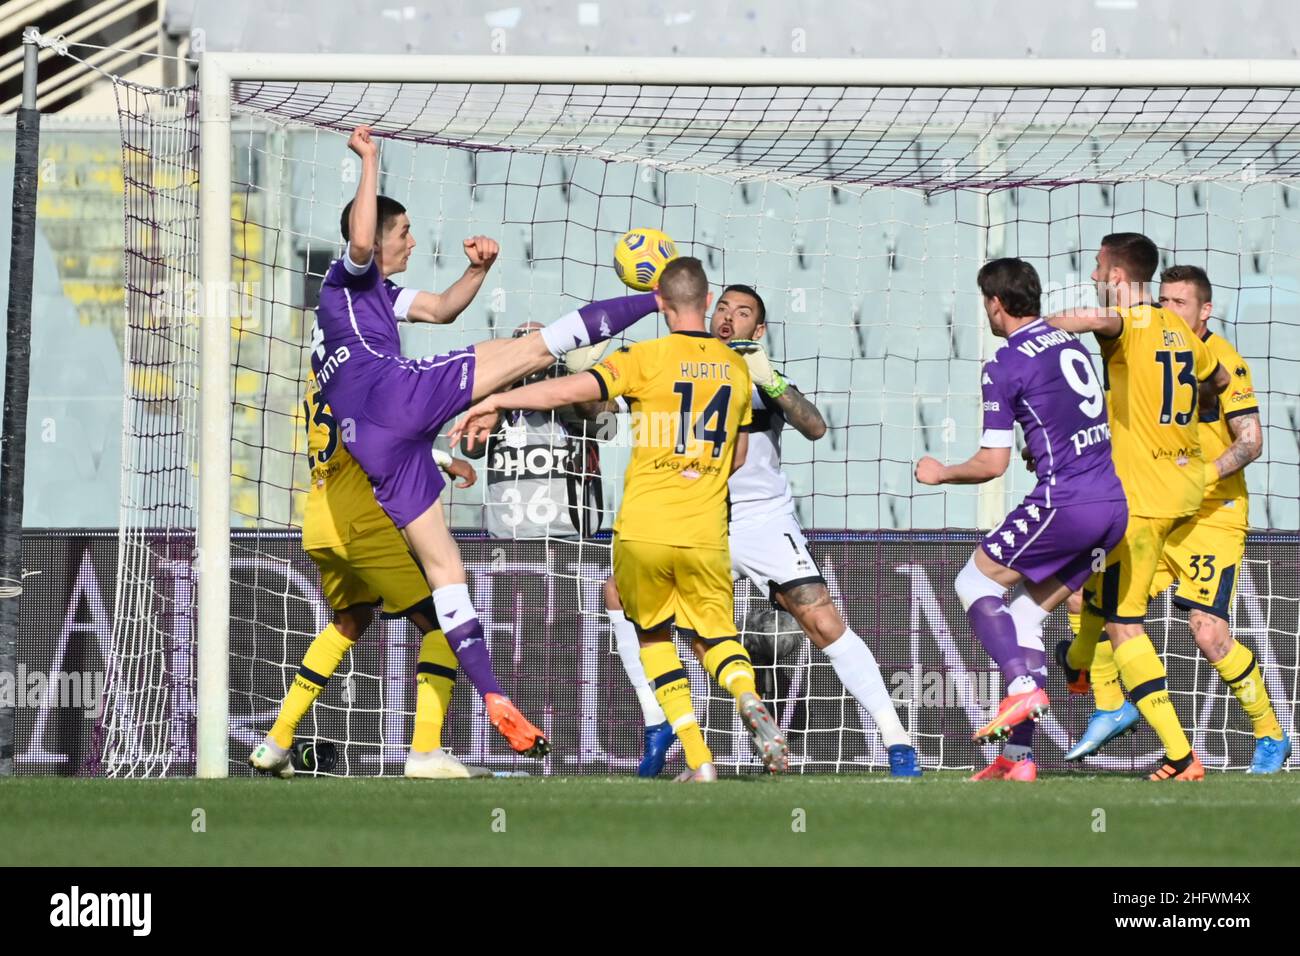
(801, 413)
(1247, 444)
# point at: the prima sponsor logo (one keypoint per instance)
(77, 909)
(1085, 438)
(68, 690)
(331, 365)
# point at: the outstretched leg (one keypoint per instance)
(436, 550)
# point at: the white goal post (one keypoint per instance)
(218, 71)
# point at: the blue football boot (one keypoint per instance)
(1271, 754)
(1103, 727)
(658, 739)
(902, 761)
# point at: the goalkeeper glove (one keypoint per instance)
(583, 358)
(760, 367)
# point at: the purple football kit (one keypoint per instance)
(1043, 378)
(395, 405)
(390, 408)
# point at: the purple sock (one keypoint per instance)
(608, 317)
(460, 624)
(996, 630)
(1022, 735)
(596, 322)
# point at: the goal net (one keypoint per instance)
(860, 213)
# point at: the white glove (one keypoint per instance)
(585, 357)
(760, 367)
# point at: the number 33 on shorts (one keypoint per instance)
(1202, 556)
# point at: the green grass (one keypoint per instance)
(941, 819)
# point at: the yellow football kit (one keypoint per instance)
(689, 396)
(1152, 370)
(362, 557)
(1203, 554)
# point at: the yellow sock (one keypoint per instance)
(1075, 622)
(1240, 671)
(435, 676)
(1144, 675)
(1106, 688)
(731, 667)
(663, 668)
(318, 665)
(1084, 645)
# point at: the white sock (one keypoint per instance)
(565, 333)
(1022, 685)
(1017, 752)
(1029, 618)
(857, 670)
(629, 652)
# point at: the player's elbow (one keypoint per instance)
(993, 463)
(814, 429)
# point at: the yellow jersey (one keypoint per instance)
(689, 396)
(1237, 399)
(340, 502)
(1152, 369)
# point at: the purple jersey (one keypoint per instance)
(355, 339)
(397, 405)
(1043, 378)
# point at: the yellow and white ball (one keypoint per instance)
(640, 256)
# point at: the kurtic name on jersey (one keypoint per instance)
(675, 490)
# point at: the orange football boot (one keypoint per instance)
(1168, 770)
(1023, 771)
(522, 736)
(1014, 709)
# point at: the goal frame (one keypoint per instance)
(218, 70)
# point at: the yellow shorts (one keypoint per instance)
(373, 565)
(1122, 590)
(1202, 556)
(663, 583)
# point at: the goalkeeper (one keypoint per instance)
(768, 546)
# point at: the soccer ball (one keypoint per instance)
(640, 257)
(772, 637)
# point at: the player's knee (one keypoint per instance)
(353, 621)
(973, 584)
(1211, 634)
(610, 591)
(423, 616)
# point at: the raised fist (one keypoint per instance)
(481, 251)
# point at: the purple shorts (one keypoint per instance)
(1065, 543)
(392, 437)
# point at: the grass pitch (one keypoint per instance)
(856, 820)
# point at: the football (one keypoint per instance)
(640, 256)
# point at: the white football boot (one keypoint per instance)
(270, 758)
(440, 765)
(704, 773)
(769, 742)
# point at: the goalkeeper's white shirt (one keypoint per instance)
(759, 489)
